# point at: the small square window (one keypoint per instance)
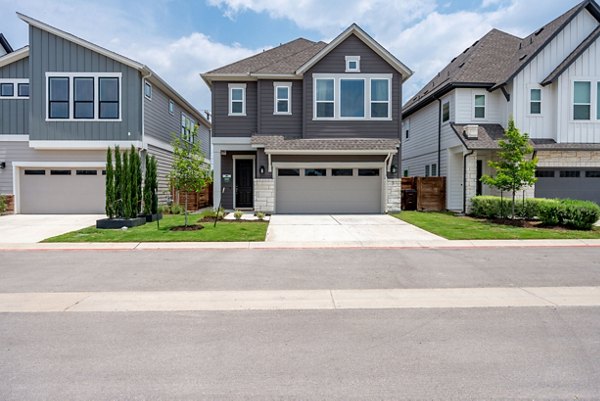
(23, 90)
(315, 172)
(352, 63)
(7, 90)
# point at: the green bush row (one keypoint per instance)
(554, 212)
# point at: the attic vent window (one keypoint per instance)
(352, 63)
(462, 65)
(453, 60)
(539, 31)
(523, 57)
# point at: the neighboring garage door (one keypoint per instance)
(568, 184)
(61, 190)
(328, 190)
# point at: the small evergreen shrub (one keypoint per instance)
(260, 216)
(3, 205)
(238, 214)
(176, 209)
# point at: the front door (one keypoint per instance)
(244, 183)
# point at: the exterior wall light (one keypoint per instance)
(394, 169)
(261, 170)
(2, 165)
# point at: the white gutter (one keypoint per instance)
(144, 78)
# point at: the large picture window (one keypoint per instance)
(582, 100)
(83, 96)
(352, 96)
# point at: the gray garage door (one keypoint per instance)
(568, 184)
(327, 190)
(61, 190)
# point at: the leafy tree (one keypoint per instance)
(189, 173)
(110, 185)
(514, 170)
(118, 186)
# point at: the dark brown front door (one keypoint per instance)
(244, 183)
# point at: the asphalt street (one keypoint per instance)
(354, 354)
(183, 270)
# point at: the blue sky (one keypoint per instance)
(182, 38)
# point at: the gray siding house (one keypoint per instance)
(63, 101)
(309, 127)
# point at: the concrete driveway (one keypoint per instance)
(344, 228)
(31, 228)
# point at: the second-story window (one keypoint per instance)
(446, 112)
(109, 98)
(582, 100)
(83, 98)
(171, 107)
(479, 106)
(325, 98)
(352, 98)
(187, 128)
(58, 97)
(380, 98)
(148, 90)
(535, 101)
(283, 95)
(23, 89)
(7, 89)
(14, 88)
(237, 99)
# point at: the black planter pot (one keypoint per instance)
(153, 217)
(120, 223)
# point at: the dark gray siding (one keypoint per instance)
(161, 124)
(14, 113)
(370, 63)
(271, 124)
(227, 168)
(223, 125)
(49, 53)
(164, 162)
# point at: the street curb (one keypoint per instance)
(169, 246)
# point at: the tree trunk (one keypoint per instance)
(186, 209)
(513, 205)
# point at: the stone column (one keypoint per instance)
(393, 194)
(471, 181)
(264, 195)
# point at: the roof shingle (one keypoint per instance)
(280, 143)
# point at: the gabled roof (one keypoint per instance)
(16, 55)
(495, 59)
(293, 59)
(144, 70)
(354, 29)
(4, 43)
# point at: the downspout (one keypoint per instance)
(465, 180)
(439, 151)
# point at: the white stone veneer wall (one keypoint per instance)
(569, 158)
(264, 195)
(393, 193)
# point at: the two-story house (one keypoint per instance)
(548, 82)
(309, 127)
(63, 102)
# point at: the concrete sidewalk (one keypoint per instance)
(167, 301)
(141, 246)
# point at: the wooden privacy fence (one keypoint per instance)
(196, 200)
(430, 193)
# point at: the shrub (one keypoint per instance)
(494, 207)
(176, 209)
(164, 209)
(3, 205)
(580, 215)
(214, 213)
(238, 214)
(551, 212)
(260, 216)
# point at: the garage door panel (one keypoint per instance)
(61, 194)
(329, 194)
(584, 187)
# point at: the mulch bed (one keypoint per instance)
(193, 227)
(517, 223)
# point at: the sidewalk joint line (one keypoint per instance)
(332, 299)
(77, 303)
(539, 297)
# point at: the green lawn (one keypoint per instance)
(225, 231)
(454, 227)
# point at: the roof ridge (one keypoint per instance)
(260, 54)
(292, 55)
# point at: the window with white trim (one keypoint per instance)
(171, 107)
(82, 96)
(535, 101)
(237, 99)
(352, 97)
(282, 97)
(148, 90)
(325, 98)
(446, 111)
(479, 106)
(14, 88)
(187, 128)
(582, 100)
(352, 63)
